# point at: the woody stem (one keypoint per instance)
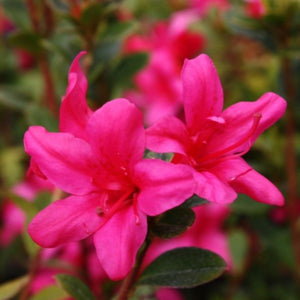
(128, 285)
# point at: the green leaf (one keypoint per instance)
(128, 66)
(37, 115)
(28, 41)
(194, 201)
(52, 292)
(17, 12)
(183, 268)
(75, 287)
(173, 222)
(12, 99)
(11, 288)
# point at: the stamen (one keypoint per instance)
(256, 119)
(135, 210)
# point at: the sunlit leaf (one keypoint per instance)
(11, 288)
(52, 292)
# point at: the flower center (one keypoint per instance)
(112, 202)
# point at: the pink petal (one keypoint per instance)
(74, 112)
(118, 241)
(116, 132)
(66, 220)
(212, 188)
(168, 135)
(65, 160)
(162, 185)
(202, 91)
(247, 181)
(240, 122)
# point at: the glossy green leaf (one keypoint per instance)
(11, 288)
(75, 287)
(183, 268)
(173, 222)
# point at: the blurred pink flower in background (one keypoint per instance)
(13, 217)
(169, 43)
(255, 8)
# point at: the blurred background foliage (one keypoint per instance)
(255, 49)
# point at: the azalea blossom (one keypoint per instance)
(97, 159)
(211, 141)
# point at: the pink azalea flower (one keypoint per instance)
(97, 159)
(205, 233)
(211, 141)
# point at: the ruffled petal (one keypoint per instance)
(65, 160)
(202, 91)
(247, 181)
(74, 111)
(118, 241)
(245, 121)
(66, 220)
(168, 135)
(117, 135)
(212, 188)
(162, 185)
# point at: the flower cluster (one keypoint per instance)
(98, 159)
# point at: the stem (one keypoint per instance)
(46, 30)
(34, 267)
(127, 286)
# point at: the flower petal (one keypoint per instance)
(65, 160)
(116, 132)
(212, 188)
(241, 125)
(74, 111)
(168, 135)
(247, 181)
(162, 185)
(202, 91)
(118, 241)
(66, 220)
